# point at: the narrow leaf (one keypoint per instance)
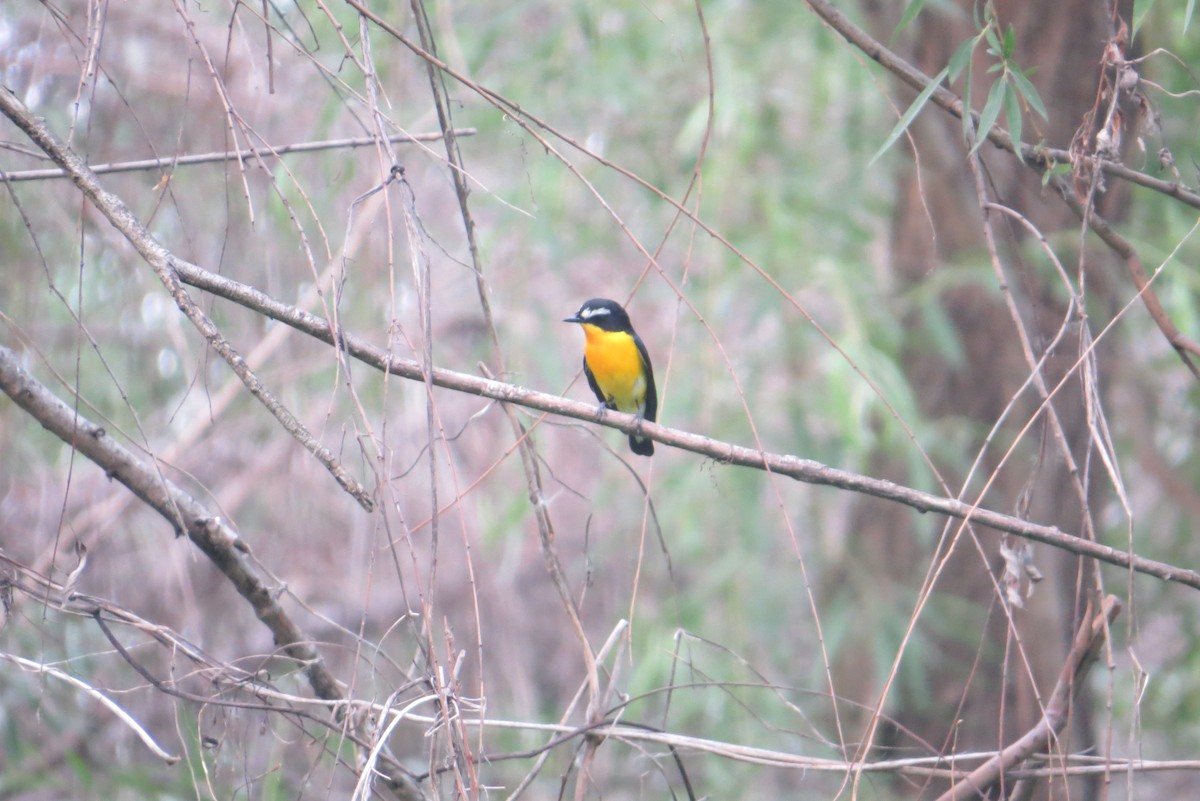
(1012, 113)
(910, 13)
(968, 109)
(991, 110)
(1187, 14)
(910, 115)
(1010, 42)
(993, 40)
(960, 59)
(1022, 84)
(1140, 9)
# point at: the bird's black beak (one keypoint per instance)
(572, 319)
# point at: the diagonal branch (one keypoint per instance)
(211, 535)
(112, 706)
(1085, 648)
(1184, 346)
(161, 261)
(1038, 159)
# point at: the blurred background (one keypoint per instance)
(832, 305)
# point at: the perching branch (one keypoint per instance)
(806, 470)
(175, 272)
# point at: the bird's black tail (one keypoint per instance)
(642, 446)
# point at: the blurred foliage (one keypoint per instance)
(786, 179)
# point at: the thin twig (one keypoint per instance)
(229, 155)
(210, 534)
(126, 718)
(941, 766)
(525, 444)
(162, 261)
(1039, 159)
(1185, 346)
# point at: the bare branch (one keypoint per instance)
(229, 155)
(1089, 638)
(161, 261)
(125, 717)
(1039, 159)
(218, 542)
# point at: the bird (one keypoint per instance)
(617, 365)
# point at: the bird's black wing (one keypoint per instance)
(651, 412)
(643, 446)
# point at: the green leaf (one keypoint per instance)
(910, 114)
(910, 13)
(1012, 113)
(1187, 14)
(989, 12)
(1022, 84)
(968, 109)
(991, 110)
(1056, 168)
(993, 40)
(1010, 42)
(1140, 9)
(961, 58)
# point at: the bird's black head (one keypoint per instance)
(603, 313)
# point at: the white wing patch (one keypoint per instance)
(639, 391)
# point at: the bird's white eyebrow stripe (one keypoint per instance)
(587, 314)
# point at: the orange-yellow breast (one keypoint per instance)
(616, 364)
